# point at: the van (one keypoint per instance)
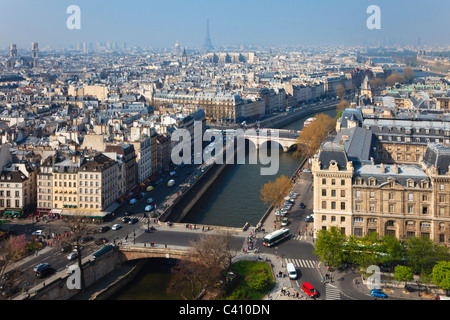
(291, 270)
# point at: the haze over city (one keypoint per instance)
(250, 22)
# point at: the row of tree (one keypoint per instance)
(417, 255)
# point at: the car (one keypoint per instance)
(41, 266)
(148, 208)
(116, 227)
(284, 222)
(133, 220)
(302, 206)
(150, 200)
(309, 290)
(38, 233)
(45, 272)
(142, 194)
(66, 248)
(103, 229)
(378, 293)
(100, 241)
(86, 239)
(309, 218)
(125, 219)
(72, 256)
(133, 201)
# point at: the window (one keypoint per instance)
(324, 192)
(333, 205)
(424, 210)
(342, 182)
(410, 197)
(410, 209)
(391, 208)
(324, 204)
(342, 219)
(358, 232)
(372, 207)
(333, 182)
(441, 198)
(358, 220)
(358, 194)
(342, 193)
(358, 206)
(442, 187)
(324, 181)
(333, 219)
(391, 195)
(372, 194)
(342, 205)
(324, 218)
(333, 193)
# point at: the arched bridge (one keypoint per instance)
(140, 252)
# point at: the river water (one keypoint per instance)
(232, 200)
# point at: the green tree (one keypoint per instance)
(441, 275)
(393, 249)
(403, 273)
(330, 246)
(422, 254)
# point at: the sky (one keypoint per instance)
(150, 23)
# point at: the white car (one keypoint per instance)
(38, 233)
(148, 208)
(72, 255)
(116, 227)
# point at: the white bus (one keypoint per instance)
(275, 237)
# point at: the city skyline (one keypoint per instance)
(256, 23)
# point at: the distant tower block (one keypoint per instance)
(208, 44)
(13, 51)
(34, 50)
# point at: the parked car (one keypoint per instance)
(302, 206)
(378, 293)
(66, 248)
(133, 201)
(116, 227)
(72, 255)
(103, 229)
(100, 241)
(38, 233)
(150, 200)
(86, 239)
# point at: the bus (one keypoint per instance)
(275, 237)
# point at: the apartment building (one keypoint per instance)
(86, 186)
(359, 196)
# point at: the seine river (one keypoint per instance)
(232, 200)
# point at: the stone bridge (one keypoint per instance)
(287, 139)
(143, 252)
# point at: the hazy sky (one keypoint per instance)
(232, 22)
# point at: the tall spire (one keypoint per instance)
(207, 46)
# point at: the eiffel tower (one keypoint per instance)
(207, 46)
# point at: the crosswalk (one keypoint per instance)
(331, 292)
(302, 263)
(140, 218)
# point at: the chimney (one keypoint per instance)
(383, 169)
(396, 168)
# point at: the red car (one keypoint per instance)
(309, 290)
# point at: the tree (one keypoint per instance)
(313, 135)
(78, 228)
(11, 249)
(408, 75)
(340, 91)
(377, 83)
(393, 249)
(204, 266)
(422, 254)
(272, 191)
(403, 273)
(441, 275)
(343, 104)
(330, 246)
(395, 78)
